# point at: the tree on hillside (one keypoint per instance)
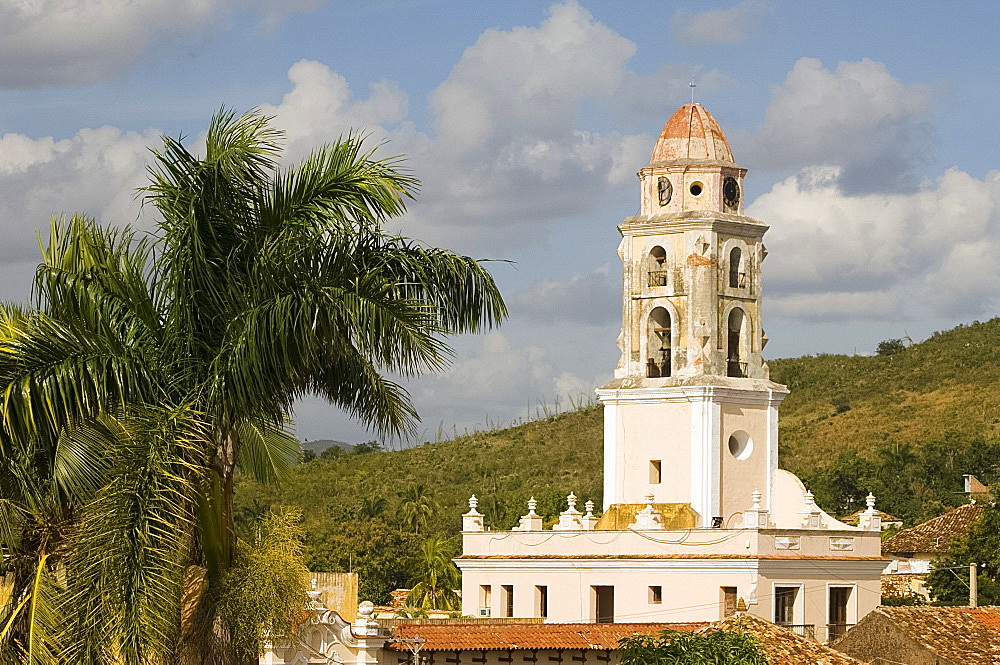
(948, 583)
(435, 577)
(417, 507)
(373, 506)
(154, 368)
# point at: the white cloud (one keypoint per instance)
(69, 42)
(96, 171)
(592, 298)
(929, 253)
(719, 26)
(857, 117)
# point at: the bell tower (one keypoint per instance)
(691, 416)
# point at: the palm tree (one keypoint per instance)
(433, 586)
(372, 507)
(183, 355)
(417, 507)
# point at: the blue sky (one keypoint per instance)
(870, 132)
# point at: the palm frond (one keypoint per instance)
(266, 453)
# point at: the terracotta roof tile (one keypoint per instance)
(691, 133)
(501, 636)
(935, 535)
(961, 634)
(783, 646)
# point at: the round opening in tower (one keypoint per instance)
(696, 188)
(740, 445)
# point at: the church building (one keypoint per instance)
(698, 520)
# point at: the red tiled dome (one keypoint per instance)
(691, 133)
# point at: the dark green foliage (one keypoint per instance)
(911, 483)
(333, 452)
(367, 447)
(948, 583)
(380, 554)
(888, 347)
(676, 648)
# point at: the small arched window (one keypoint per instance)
(656, 264)
(658, 343)
(737, 278)
(735, 355)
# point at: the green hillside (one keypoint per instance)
(905, 426)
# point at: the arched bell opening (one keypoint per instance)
(656, 266)
(737, 275)
(658, 344)
(737, 348)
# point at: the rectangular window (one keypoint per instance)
(839, 598)
(542, 601)
(728, 601)
(655, 595)
(485, 600)
(784, 605)
(654, 472)
(507, 599)
(604, 604)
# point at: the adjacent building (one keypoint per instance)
(697, 518)
(926, 636)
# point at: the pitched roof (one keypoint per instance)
(502, 636)
(935, 535)
(782, 646)
(960, 634)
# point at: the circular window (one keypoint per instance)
(740, 445)
(696, 188)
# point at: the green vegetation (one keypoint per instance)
(152, 367)
(436, 577)
(948, 583)
(672, 647)
(266, 585)
(905, 426)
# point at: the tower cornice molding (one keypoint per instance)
(719, 222)
(770, 394)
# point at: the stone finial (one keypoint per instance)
(870, 519)
(755, 517)
(313, 584)
(365, 626)
(472, 520)
(741, 605)
(811, 512)
(532, 521)
(570, 519)
(589, 520)
(649, 517)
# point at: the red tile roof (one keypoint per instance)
(989, 616)
(960, 634)
(496, 636)
(935, 535)
(782, 646)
